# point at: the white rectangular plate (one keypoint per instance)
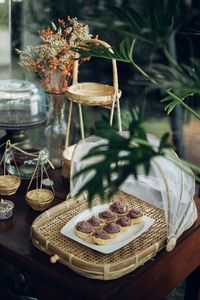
(123, 239)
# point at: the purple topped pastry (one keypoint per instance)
(125, 222)
(84, 227)
(101, 234)
(108, 216)
(113, 229)
(135, 215)
(96, 222)
(100, 237)
(119, 207)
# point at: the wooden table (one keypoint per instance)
(26, 273)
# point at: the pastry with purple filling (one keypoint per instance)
(108, 216)
(96, 222)
(83, 229)
(125, 223)
(100, 237)
(112, 229)
(135, 215)
(119, 207)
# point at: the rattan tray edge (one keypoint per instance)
(105, 271)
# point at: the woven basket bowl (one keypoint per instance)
(39, 199)
(92, 94)
(9, 184)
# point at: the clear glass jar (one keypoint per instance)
(23, 163)
(21, 105)
(56, 130)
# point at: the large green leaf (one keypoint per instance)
(120, 157)
(124, 52)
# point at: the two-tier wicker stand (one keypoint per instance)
(92, 94)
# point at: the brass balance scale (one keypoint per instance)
(38, 198)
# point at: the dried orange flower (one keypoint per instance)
(53, 60)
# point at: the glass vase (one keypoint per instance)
(56, 130)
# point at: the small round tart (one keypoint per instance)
(112, 229)
(125, 223)
(96, 222)
(100, 237)
(83, 229)
(119, 207)
(135, 215)
(108, 216)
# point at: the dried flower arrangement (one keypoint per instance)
(52, 60)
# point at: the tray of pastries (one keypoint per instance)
(108, 227)
(104, 242)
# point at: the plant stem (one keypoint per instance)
(143, 73)
(170, 59)
(179, 100)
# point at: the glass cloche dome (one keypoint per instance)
(21, 105)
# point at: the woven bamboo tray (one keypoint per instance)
(92, 94)
(47, 237)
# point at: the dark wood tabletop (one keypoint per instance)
(153, 281)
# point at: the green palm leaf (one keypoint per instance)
(123, 53)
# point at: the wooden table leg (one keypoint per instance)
(192, 289)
